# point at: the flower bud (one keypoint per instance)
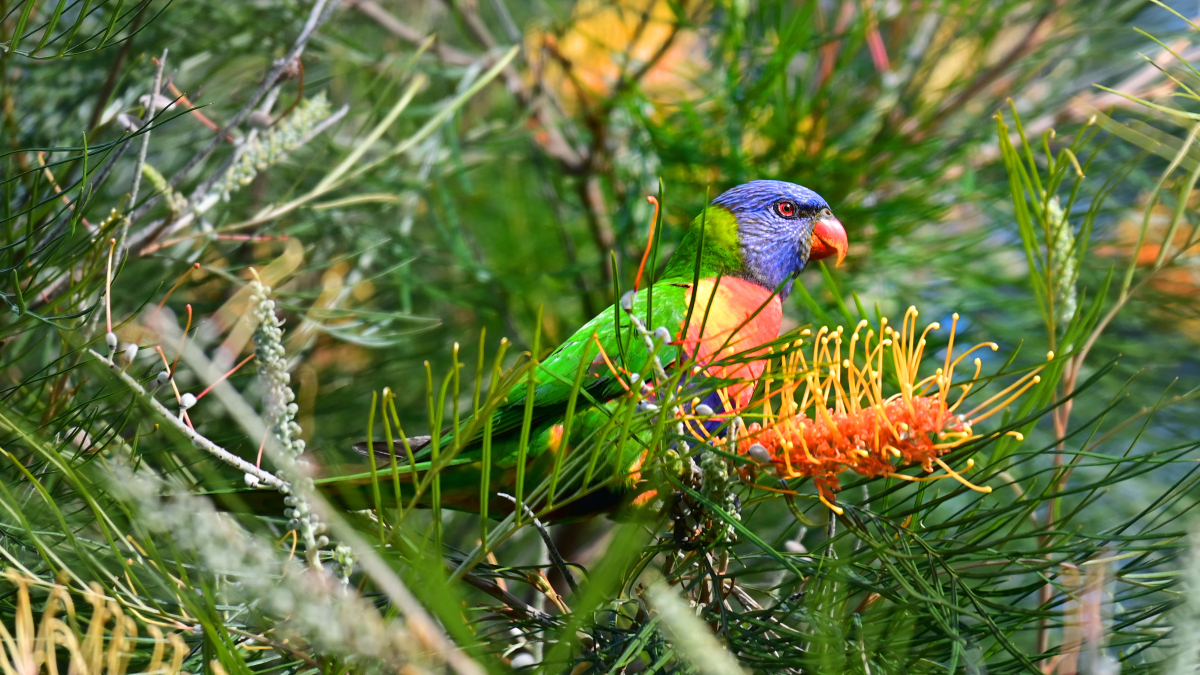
(259, 119)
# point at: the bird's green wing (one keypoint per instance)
(608, 348)
(607, 343)
(555, 379)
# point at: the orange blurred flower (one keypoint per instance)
(842, 420)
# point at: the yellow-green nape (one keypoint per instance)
(718, 228)
(720, 225)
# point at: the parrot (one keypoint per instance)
(719, 296)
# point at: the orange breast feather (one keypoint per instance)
(742, 317)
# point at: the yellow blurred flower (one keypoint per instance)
(608, 42)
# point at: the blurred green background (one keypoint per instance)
(532, 193)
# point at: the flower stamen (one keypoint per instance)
(832, 414)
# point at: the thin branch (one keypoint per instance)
(420, 623)
(469, 11)
(1032, 38)
(381, 16)
(264, 477)
(147, 116)
(517, 605)
(151, 238)
(551, 549)
(321, 11)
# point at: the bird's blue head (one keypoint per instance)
(780, 226)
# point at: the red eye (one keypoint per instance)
(786, 209)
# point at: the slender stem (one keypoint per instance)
(265, 477)
(321, 11)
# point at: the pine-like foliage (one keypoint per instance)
(237, 238)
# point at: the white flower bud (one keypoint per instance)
(759, 454)
(187, 401)
(627, 301)
(259, 119)
(111, 338)
(704, 410)
(251, 480)
(130, 352)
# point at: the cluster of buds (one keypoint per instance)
(279, 410)
(833, 414)
(259, 153)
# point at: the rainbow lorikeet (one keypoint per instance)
(747, 246)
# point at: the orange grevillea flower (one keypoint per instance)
(833, 414)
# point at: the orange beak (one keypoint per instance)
(828, 239)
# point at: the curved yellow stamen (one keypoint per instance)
(966, 483)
